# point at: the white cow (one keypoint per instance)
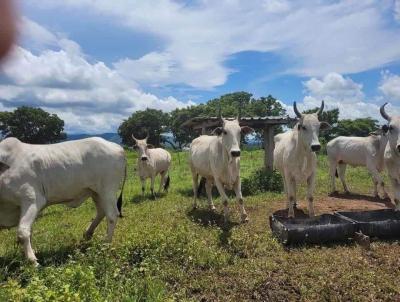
(217, 159)
(152, 162)
(358, 151)
(392, 153)
(33, 177)
(294, 156)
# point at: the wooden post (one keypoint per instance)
(269, 147)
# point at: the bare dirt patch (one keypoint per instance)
(337, 202)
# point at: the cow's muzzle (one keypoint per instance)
(398, 148)
(315, 148)
(235, 153)
(144, 158)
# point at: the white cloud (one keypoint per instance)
(316, 37)
(343, 93)
(335, 86)
(390, 86)
(397, 10)
(90, 96)
(276, 6)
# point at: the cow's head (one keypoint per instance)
(142, 147)
(230, 133)
(392, 129)
(309, 127)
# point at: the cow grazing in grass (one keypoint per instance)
(295, 158)
(151, 162)
(217, 159)
(392, 153)
(33, 177)
(358, 151)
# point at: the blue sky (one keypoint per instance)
(95, 62)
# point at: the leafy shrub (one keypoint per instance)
(262, 181)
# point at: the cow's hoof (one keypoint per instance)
(34, 262)
(245, 219)
(87, 236)
(386, 197)
(195, 207)
(334, 193)
(347, 192)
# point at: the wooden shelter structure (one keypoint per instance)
(266, 123)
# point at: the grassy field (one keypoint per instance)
(165, 251)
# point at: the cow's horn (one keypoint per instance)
(134, 138)
(383, 112)
(296, 110)
(147, 135)
(321, 108)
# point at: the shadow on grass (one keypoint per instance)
(187, 192)
(354, 196)
(139, 198)
(206, 218)
(14, 263)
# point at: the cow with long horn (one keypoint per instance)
(217, 159)
(151, 162)
(295, 158)
(392, 153)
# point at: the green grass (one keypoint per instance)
(165, 251)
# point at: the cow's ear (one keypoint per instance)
(150, 146)
(246, 130)
(217, 131)
(3, 167)
(385, 128)
(324, 126)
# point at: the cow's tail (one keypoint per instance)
(166, 184)
(119, 202)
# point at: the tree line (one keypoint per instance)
(36, 126)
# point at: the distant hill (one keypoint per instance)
(112, 137)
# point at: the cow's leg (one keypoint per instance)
(95, 222)
(285, 186)
(209, 194)
(195, 178)
(396, 192)
(378, 181)
(30, 208)
(291, 188)
(108, 203)
(238, 192)
(143, 181)
(162, 180)
(332, 174)
(153, 177)
(224, 197)
(342, 172)
(310, 193)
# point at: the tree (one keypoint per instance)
(32, 125)
(356, 127)
(230, 104)
(150, 121)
